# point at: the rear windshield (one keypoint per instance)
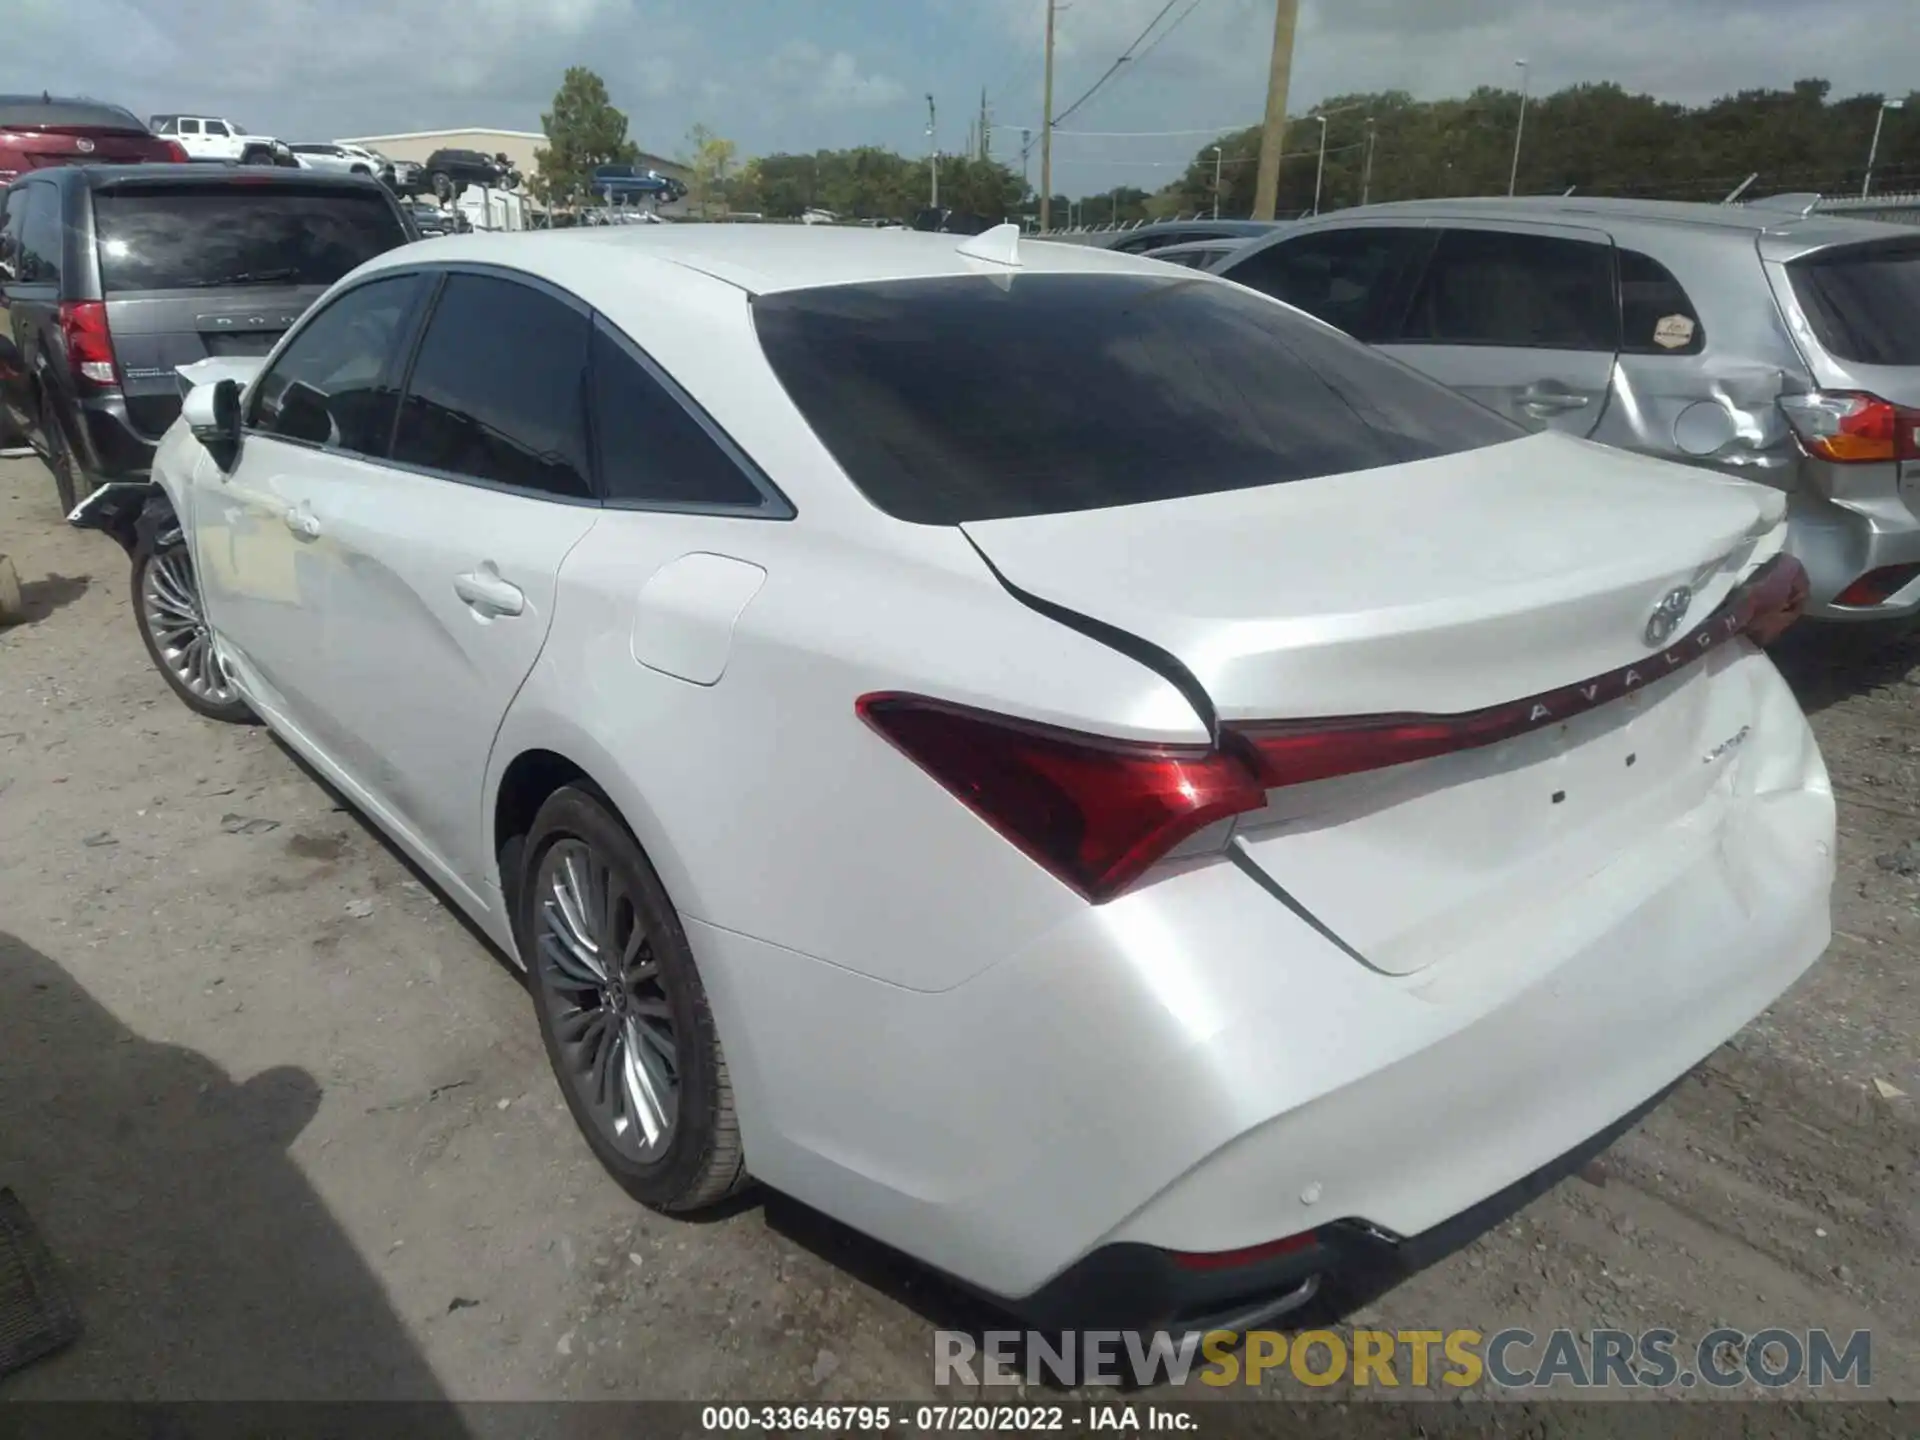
(1863, 301)
(976, 398)
(163, 238)
(17, 113)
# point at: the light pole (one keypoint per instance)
(1366, 170)
(1520, 130)
(1873, 151)
(1320, 175)
(933, 158)
(1216, 182)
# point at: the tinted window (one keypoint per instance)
(1344, 277)
(40, 236)
(1863, 301)
(651, 449)
(335, 384)
(166, 237)
(1490, 287)
(13, 211)
(498, 391)
(189, 127)
(1656, 317)
(216, 127)
(971, 398)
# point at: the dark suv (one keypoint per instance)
(451, 171)
(112, 276)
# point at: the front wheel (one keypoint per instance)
(622, 1010)
(173, 625)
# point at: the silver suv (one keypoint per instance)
(1774, 344)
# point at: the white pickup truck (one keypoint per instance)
(210, 137)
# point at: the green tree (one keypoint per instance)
(709, 160)
(583, 131)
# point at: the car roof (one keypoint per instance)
(109, 176)
(764, 259)
(1808, 230)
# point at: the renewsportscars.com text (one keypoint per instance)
(1513, 1359)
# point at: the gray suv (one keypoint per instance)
(1773, 344)
(113, 275)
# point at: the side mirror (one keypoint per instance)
(212, 412)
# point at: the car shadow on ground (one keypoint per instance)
(202, 1262)
(40, 598)
(1825, 669)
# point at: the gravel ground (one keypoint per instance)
(286, 1121)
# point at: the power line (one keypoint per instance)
(1191, 7)
(1114, 68)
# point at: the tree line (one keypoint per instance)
(1597, 139)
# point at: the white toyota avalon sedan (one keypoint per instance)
(1062, 763)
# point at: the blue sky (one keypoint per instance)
(775, 76)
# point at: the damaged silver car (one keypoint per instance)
(1763, 340)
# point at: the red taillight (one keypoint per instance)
(83, 325)
(1876, 587)
(1094, 812)
(1250, 1255)
(1849, 428)
(1098, 813)
(177, 153)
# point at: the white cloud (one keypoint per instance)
(823, 81)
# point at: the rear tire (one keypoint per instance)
(622, 1011)
(59, 456)
(172, 622)
(441, 184)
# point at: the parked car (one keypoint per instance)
(1195, 254)
(1162, 233)
(115, 275)
(342, 160)
(37, 131)
(211, 137)
(1769, 343)
(629, 182)
(1100, 781)
(430, 219)
(451, 171)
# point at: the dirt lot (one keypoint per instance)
(287, 1123)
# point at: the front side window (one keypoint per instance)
(974, 398)
(221, 233)
(1499, 287)
(1344, 277)
(652, 451)
(498, 391)
(336, 382)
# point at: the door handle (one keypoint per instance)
(488, 595)
(303, 522)
(1551, 399)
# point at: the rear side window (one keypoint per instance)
(40, 234)
(1656, 315)
(335, 384)
(498, 391)
(13, 214)
(1535, 292)
(652, 451)
(236, 234)
(975, 398)
(189, 127)
(1344, 277)
(1863, 301)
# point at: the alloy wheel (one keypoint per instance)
(170, 609)
(601, 984)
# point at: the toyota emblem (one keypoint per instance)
(83, 145)
(1664, 623)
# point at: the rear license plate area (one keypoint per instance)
(225, 343)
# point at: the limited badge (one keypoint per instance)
(1674, 332)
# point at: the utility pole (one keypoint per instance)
(1366, 170)
(1520, 130)
(984, 126)
(1273, 134)
(1046, 133)
(933, 157)
(1216, 182)
(1320, 174)
(1873, 151)
(1026, 149)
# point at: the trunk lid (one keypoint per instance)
(1446, 586)
(1435, 587)
(154, 334)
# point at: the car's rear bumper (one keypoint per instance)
(1190, 1068)
(107, 445)
(1839, 544)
